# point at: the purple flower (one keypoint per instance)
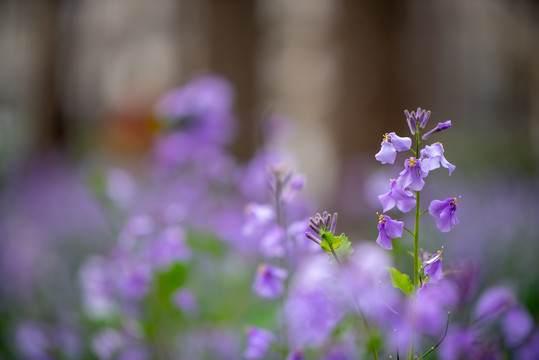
(258, 342)
(201, 109)
(433, 268)
(493, 302)
(412, 175)
(392, 143)
(444, 211)
(404, 199)
(169, 248)
(257, 216)
(269, 281)
(437, 129)
(388, 229)
(417, 119)
(433, 156)
(271, 244)
(321, 223)
(185, 300)
(517, 325)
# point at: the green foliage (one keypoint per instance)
(344, 251)
(330, 239)
(401, 281)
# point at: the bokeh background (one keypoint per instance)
(79, 80)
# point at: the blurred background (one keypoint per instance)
(79, 80)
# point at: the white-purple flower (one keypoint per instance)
(444, 212)
(258, 342)
(412, 175)
(433, 157)
(388, 229)
(392, 143)
(437, 129)
(404, 199)
(269, 281)
(433, 268)
(271, 244)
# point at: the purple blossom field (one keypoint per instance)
(178, 227)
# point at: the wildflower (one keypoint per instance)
(444, 211)
(412, 175)
(388, 229)
(437, 129)
(185, 300)
(433, 267)
(517, 325)
(417, 119)
(320, 225)
(433, 156)
(271, 244)
(269, 281)
(392, 143)
(494, 302)
(258, 342)
(404, 199)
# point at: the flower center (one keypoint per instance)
(381, 218)
(386, 137)
(412, 161)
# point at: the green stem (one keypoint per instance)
(416, 245)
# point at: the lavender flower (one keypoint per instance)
(433, 267)
(269, 281)
(412, 175)
(320, 225)
(517, 325)
(493, 302)
(258, 342)
(417, 119)
(388, 229)
(433, 156)
(185, 300)
(271, 244)
(392, 143)
(404, 199)
(444, 211)
(437, 129)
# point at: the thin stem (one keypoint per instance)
(408, 230)
(281, 222)
(416, 246)
(439, 342)
(360, 310)
(424, 212)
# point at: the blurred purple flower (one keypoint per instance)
(494, 302)
(392, 143)
(32, 342)
(404, 199)
(444, 212)
(169, 247)
(269, 281)
(412, 175)
(517, 325)
(258, 342)
(202, 108)
(437, 129)
(298, 354)
(257, 216)
(185, 300)
(271, 244)
(107, 344)
(388, 229)
(433, 157)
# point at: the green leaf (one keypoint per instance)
(329, 238)
(401, 281)
(344, 251)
